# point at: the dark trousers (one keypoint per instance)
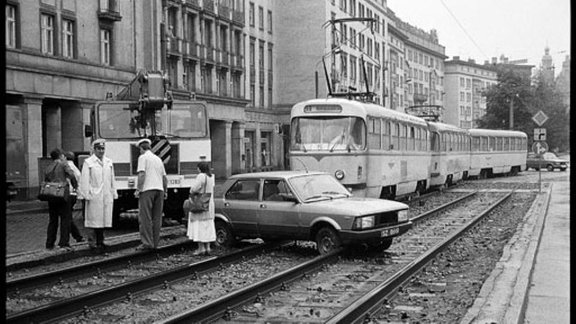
(150, 205)
(73, 228)
(59, 212)
(95, 237)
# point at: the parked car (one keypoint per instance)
(299, 205)
(548, 160)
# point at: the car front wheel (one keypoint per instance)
(550, 168)
(224, 235)
(327, 240)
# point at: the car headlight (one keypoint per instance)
(364, 222)
(339, 174)
(403, 215)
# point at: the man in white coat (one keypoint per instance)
(98, 191)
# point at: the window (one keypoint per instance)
(269, 21)
(10, 26)
(68, 38)
(260, 18)
(251, 14)
(253, 95)
(105, 41)
(47, 33)
(244, 190)
(261, 96)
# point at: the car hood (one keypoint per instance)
(357, 205)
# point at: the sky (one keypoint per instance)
(482, 29)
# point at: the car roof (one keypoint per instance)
(274, 174)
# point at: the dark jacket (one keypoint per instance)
(59, 171)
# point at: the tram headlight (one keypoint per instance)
(339, 174)
(403, 215)
(364, 222)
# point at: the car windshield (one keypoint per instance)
(550, 156)
(318, 187)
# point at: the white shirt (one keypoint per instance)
(76, 175)
(153, 169)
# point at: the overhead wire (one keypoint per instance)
(463, 29)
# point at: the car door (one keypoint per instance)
(278, 214)
(241, 206)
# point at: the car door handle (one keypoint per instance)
(262, 206)
(226, 204)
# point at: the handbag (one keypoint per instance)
(54, 191)
(199, 202)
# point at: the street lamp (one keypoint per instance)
(512, 110)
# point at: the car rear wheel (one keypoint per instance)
(224, 235)
(327, 240)
(550, 167)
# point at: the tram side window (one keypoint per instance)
(386, 135)
(374, 134)
(395, 137)
(411, 139)
(402, 136)
(498, 143)
(506, 144)
(475, 144)
(435, 142)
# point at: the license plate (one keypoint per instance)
(174, 181)
(389, 232)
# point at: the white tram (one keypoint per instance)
(497, 152)
(450, 154)
(376, 152)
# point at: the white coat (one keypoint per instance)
(98, 190)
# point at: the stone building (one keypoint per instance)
(465, 82)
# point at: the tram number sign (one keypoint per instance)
(539, 148)
(539, 134)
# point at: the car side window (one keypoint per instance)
(243, 190)
(275, 190)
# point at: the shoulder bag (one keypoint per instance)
(54, 191)
(198, 202)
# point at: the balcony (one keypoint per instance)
(420, 98)
(210, 54)
(223, 12)
(209, 6)
(191, 49)
(224, 57)
(194, 3)
(109, 11)
(173, 45)
(238, 17)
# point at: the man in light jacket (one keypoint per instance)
(98, 191)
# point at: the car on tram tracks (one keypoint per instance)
(548, 161)
(302, 205)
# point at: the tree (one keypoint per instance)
(528, 99)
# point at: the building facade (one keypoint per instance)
(563, 82)
(465, 83)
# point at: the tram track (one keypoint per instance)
(89, 307)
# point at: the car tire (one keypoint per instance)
(550, 168)
(327, 240)
(384, 245)
(224, 235)
(563, 169)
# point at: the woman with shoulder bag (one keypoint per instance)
(59, 210)
(201, 223)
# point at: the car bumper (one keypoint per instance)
(374, 235)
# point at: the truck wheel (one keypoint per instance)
(224, 235)
(550, 167)
(327, 240)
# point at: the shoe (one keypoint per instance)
(80, 239)
(144, 248)
(66, 247)
(198, 252)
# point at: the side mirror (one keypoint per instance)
(88, 132)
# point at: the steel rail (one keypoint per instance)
(71, 306)
(427, 214)
(360, 310)
(217, 308)
(86, 269)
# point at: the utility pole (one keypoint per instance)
(512, 112)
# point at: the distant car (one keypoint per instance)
(548, 160)
(299, 205)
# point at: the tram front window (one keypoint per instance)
(328, 134)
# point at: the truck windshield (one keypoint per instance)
(328, 134)
(184, 120)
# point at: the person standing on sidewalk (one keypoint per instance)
(59, 171)
(73, 196)
(98, 191)
(151, 191)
